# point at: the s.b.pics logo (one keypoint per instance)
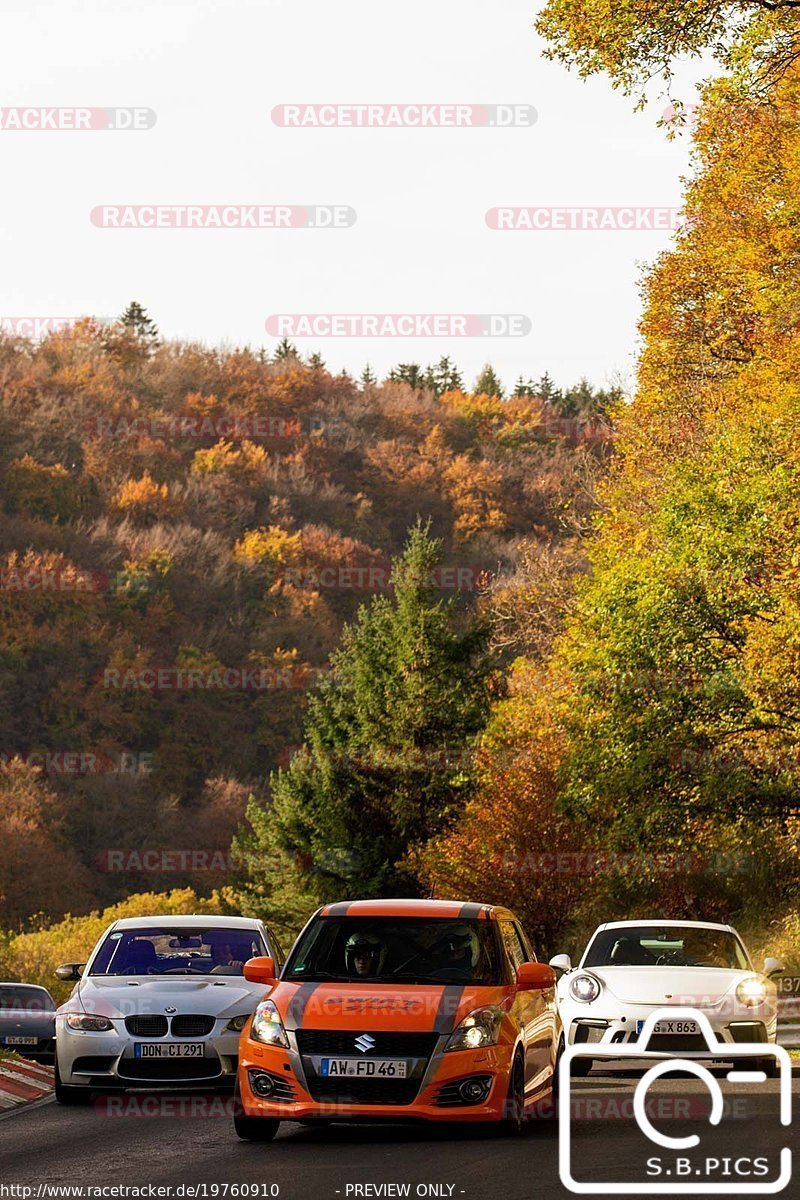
(717, 1132)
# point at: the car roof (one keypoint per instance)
(188, 921)
(665, 924)
(16, 983)
(441, 909)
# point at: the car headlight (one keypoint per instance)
(751, 992)
(479, 1028)
(237, 1024)
(584, 988)
(89, 1024)
(267, 1026)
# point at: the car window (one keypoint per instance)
(527, 945)
(513, 945)
(25, 999)
(666, 946)
(395, 949)
(173, 950)
(280, 957)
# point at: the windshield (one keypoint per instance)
(396, 949)
(172, 950)
(666, 946)
(28, 999)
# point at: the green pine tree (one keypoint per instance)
(442, 377)
(138, 321)
(386, 761)
(548, 390)
(410, 373)
(285, 349)
(488, 383)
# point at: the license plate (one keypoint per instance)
(365, 1068)
(18, 1041)
(168, 1050)
(675, 1028)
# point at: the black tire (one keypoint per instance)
(255, 1129)
(556, 1092)
(251, 1129)
(580, 1067)
(513, 1121)
(66, 1093)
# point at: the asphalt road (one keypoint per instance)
(151, 1144)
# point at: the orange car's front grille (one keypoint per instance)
(386, 1044)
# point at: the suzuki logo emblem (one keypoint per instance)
(365, 1042)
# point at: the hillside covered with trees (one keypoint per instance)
(184, 535)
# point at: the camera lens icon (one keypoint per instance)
(676, 1171)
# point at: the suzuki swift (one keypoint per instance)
(400, 1010)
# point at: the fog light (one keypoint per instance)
(262, 1085)
(473, 1090)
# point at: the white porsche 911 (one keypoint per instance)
(631, 968)
(160, 1003)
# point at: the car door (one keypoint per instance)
(531, 1010)
(550, 998)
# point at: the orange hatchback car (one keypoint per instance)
(397, 1010)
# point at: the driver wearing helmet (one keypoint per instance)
(364, 954)
(457, 952)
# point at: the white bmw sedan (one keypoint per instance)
(160, 1003)
(631, 968)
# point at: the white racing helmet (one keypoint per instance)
(462, 940)
(365, 945)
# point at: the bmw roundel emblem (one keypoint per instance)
(170, 1009)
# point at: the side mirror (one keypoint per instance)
(70, 971)
(260, 970)
(535, 977)
(561, 962)
(773, 966)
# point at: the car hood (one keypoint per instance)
(16, 1022)
(701, 987)
(122, 996)
(407, 1008)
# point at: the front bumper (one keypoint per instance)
(432, 1094)
(107, 1060)
(596, 1024)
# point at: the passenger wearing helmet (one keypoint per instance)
(364, 954)
(457, 952)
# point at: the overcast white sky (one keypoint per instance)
(214, 69)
